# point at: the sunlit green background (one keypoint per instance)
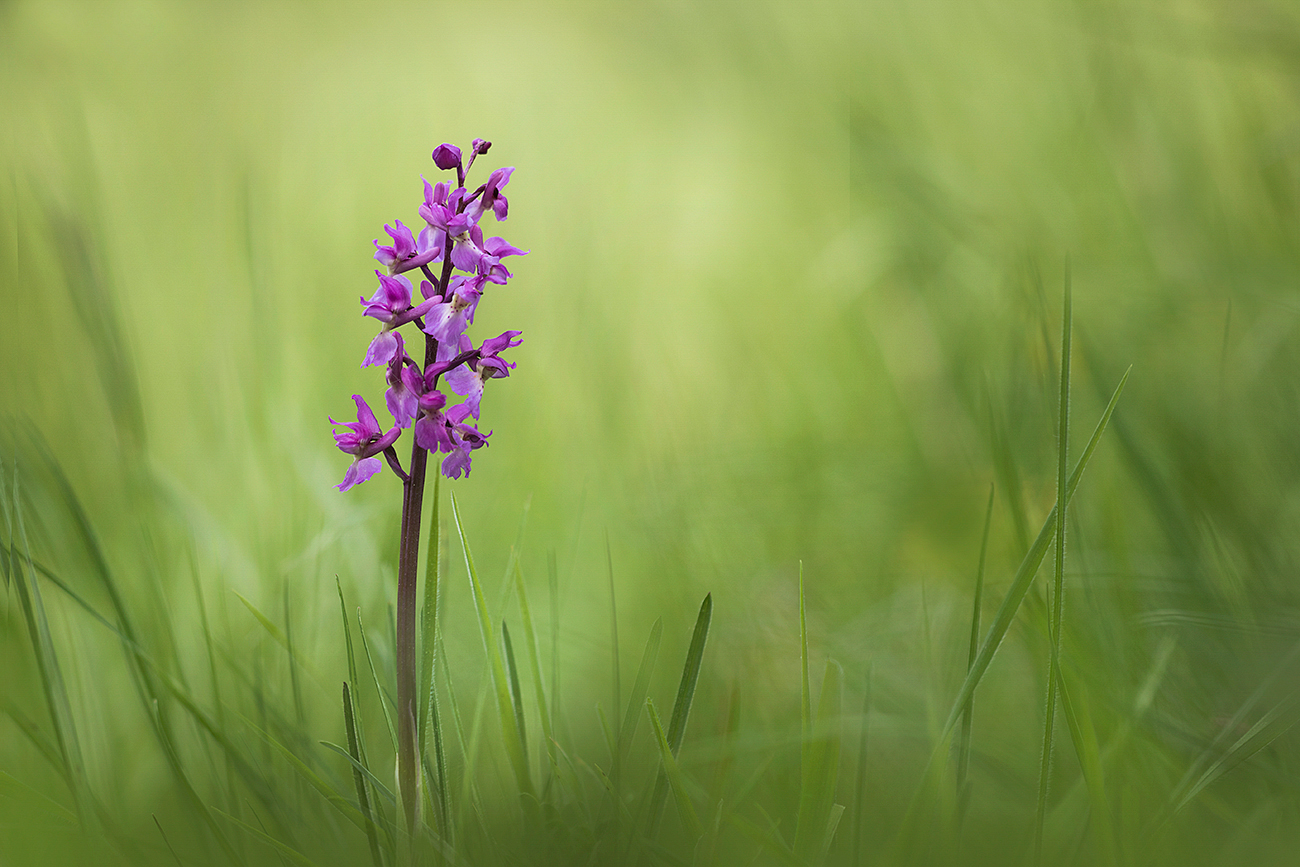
(793, 296)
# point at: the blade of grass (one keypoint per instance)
(685, 810)
(535, 662)
(860, 783)
(820, 770)
(963, 749)
(1027, 570)
(682, 706)
(357, 767)
(614, 654)
(429, 718)
(1058, 583)
(1078, 717)
(640, 686)
(553, 586)
(374, 676)
(516, 695)
(47, 663)
(358, 777)
(280, 847)
(509, 728)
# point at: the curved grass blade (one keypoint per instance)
(1025, 573)
(374, 676)
(370, 778)
(280, 847)
(682, 706)
(516, 695)
(860, 784)
(1058, 583)
(359, 773)
(500, 680)
(535, 662)
(640, 686)
(963, 749)
(674, 775)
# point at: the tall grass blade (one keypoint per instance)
(614, 652)
(1025, 573)
(47, 663)
(516, 694)
(640, 687)
(1058, 583)
(535, 663)
(374, 676)
(429, 718)
(1078, 716)
(358, 778)
(685, 810)
(819, 773)
(509, 727)
(682, 706)
(279, 846)
(860, 783)
(553, 586)
(963, 748)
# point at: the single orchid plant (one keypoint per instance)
(457, 264)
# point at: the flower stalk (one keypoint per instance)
(453, 239)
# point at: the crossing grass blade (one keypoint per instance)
(516, 694)
(1058, 583)
(640, 686)
(963, 748)
(535, 663)
(685, 810)
(1078, 716)
(682, 706)
(357, 767)
(15, 789)
(281, 848)
(1027, 570)
(374, 677)
(500, 680)
(359, 773)
(47, 663)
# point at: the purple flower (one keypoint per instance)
(492, 198)
(432, 431)
(363, 440)
(391, 305)
(405, 385)
(447, 320)
(446, 156)
(406, 252)
(467, 439)
(468, 379)
(440, 210)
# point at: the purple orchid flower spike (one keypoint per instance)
(391, 305)
(468, 379)
(406, 252)
(363, 440)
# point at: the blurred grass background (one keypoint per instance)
(793, 295)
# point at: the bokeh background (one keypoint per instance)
(793, 297)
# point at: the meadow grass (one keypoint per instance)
(722, 590)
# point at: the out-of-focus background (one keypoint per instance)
(793, 297)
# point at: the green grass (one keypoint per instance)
(793, 304)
